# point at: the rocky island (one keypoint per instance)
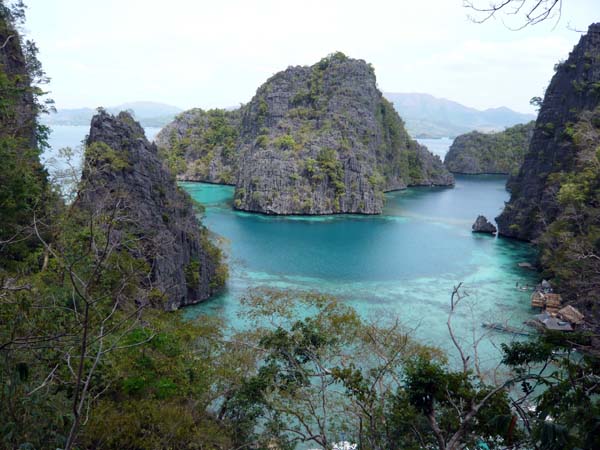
(490, 153)
(313, 140)
(202, 145)
(123, 173)
(483, 225)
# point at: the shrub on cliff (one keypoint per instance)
(24, 187)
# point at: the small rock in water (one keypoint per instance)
(482, 225)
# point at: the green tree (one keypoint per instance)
(562, 387)
(24, 189)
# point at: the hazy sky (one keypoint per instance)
(200, 53)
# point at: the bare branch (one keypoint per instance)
(7, 41)
(531, 12)
(454, 300)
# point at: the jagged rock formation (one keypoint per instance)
(492, 153)
(18, 110)
(482, 225)
(122, 167)
(555, 198)
(575, 88)
(313, 140)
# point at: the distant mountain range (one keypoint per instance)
(149, 114)
(429, 117)
(425, 115)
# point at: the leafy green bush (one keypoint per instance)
(192, 274)
(285, 142)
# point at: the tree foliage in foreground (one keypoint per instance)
(570, 246)
(24, 189)
(307, 369)
(86, 362)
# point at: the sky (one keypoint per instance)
(216, 53)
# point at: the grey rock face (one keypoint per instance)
(323, 140)
(575, 88)
(490, 153)
(122, 166)
(316, 140)
(482, 225)
(19, 117)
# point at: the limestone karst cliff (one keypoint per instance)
(574, 89)
(501, 153)
(313, 140)
(122, 168)
(17, 108)
(555, 197)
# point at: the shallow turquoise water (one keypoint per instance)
(402, 264)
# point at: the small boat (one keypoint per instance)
(505, 328)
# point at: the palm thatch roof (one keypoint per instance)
(551, 302)
(571, 314)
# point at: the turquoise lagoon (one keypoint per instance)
(402, 264)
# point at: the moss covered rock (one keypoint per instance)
(500, 153)
(313, 140)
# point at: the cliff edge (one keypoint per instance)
(123, 172)
(574, 89)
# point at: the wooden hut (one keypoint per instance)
(548, 301)
(571, 314)
(537, 300)
(553, 303)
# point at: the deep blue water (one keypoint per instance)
(402, 264)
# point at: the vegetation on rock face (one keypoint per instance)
(123, 175)
(534, 203)
(554, 197)
(570, 246)
(298, 116)
(24, 188)
(479, 153)
(202, 145)
(73, 287)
